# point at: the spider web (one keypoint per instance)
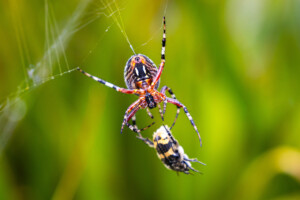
(54, 62)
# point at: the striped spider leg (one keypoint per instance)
(135, 129)
(163, 91)
(163, 58)
(180, 105)
(169, 100)
(133, 108)
(108, 84)
(134, 126)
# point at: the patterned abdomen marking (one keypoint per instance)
(139, 71)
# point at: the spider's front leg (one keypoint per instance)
(177, 103)
(119, 89)
(130, 112)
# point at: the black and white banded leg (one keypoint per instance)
(134, 124)
(149, 113)
(135, 128)
(163, 57)
(177, 103)
(160, 112)
(147, 141)
(163, 91)
(108, 84)
(139, 136)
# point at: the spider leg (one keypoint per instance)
(170, 135)
(149, 113)
(134, 127)
(151, 116)
(163, 91)
(138, 131)
(165, 107)
(160, 112)
(134, 124)
(131, 110)
(134, 121)
(177, 103)
(147, 141)
(145, 128)
(123, 90)
(163, 57)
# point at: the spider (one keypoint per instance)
(142, 79)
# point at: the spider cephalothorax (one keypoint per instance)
(142, 79)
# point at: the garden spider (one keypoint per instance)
(142, 79)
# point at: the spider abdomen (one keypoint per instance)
(139, 72)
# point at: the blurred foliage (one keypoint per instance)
(234, 64)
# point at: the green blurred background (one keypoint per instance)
(234, 64)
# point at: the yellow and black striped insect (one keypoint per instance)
(168, 150)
